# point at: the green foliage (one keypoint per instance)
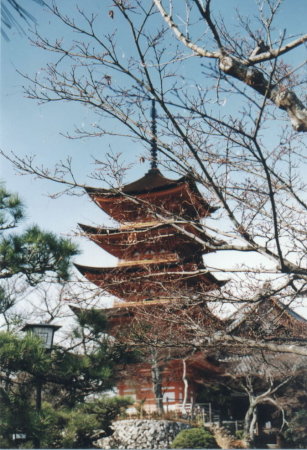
(22, 354)
(239, 434)
(22, 361)
(11, 209)
(83, 374)
(35, 253)
(296, 434)
(76, 427)
(68, 428)
(79, 429)
(80, 426)
(6, 300)
(194, 438)
(106, 409)
(93, 319)
(18, 417)
(77, 375)
(69, 420)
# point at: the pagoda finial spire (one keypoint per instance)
(154, 149)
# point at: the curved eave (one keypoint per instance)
(109, 232)
(103, 198)
(122, 309)
(285, 323)
(292, 315)
(125, 313)
(125, 243)
(141, 283)
(199, 362)
(149, 269)
(152, 183)
(194, 189)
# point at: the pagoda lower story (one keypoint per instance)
(159, 242)
(137, 382)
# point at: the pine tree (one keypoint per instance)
(33, 254)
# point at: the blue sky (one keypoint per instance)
(28, 128)
(31, 129)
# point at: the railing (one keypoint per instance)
(201, 412)
(205, 411)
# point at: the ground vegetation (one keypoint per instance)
(74, 412)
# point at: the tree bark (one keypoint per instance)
(244, 69)
(156, 377)
(282, 98)
(185, 386)
(249, 422)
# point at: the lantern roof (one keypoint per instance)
(30, 326)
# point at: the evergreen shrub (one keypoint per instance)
(194, 438)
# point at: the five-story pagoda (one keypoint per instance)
(159, 243)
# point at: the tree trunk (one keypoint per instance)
(186, 386)
(156, 377)
(252, 425)
(249, 422)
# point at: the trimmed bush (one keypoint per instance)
(194, 438)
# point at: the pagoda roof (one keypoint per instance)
(121, 319)
(152, 181)
(258, 364)
(153, 280)
(124, 314)
(155, 191)
(269, 318)
(125, 243)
